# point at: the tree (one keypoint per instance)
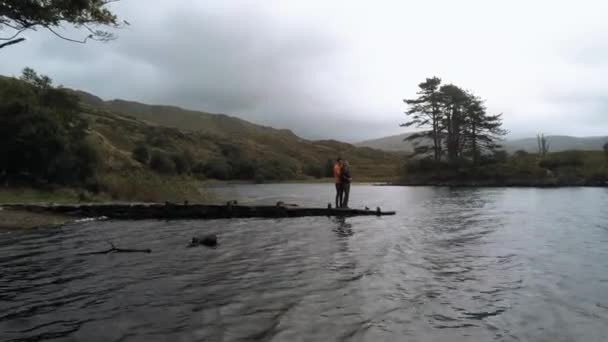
(42, 136)
(456, 122)
(18, 16)
(481, 130)
(30, 76)
(606, 150)
(425, 113)
(543, 145)
(454, 102)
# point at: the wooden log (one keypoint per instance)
(192, 211)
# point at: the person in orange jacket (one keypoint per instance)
(338, 182)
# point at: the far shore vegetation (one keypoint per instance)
(459, 144)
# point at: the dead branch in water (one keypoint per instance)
(119, 250)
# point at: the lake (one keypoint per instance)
(462, 264)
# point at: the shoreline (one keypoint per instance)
(11, 219)
(493, 184)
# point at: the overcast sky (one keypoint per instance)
(340, 69)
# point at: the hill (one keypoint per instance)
(231, 146)
(57, 137)
(394, 143)
(557, 143)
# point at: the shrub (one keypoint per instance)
(243, 168)
(313, 170)
(141, 154)
(218, 169)
(563, 159)
(162, 163)
(276, 169)
(182, 164)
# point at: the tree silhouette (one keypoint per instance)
(18, 16)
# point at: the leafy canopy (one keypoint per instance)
(17, 16)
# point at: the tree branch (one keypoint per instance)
(66, 38)
(15, 35)
(18, 40)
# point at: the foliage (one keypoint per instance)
(18, 16)
(276, 170)
(313, 170)
(181, 162)
(141, 154)
(218, 169)
(425, 112)
(521, 168)
(455, 121)
(42, 137)
(162, 163)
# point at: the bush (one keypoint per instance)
(181, 162)
(276, 169)
(162, 163)
(563, 159)
(218, 169)
(141, 154)
(243, 169)
(42, 135)
(313, 170)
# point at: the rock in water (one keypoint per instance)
(207, 240)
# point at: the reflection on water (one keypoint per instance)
(453, 265)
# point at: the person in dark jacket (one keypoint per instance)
(345, 180)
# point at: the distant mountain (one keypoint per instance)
(557, 143)
(395, 143)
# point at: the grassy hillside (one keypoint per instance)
(121, 126)
(59, 141)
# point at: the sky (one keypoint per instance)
(341, 69)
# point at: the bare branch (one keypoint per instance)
(15, 35)
(18, 40)
(69, 39)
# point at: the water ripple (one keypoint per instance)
(454, 265)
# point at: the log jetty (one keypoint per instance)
(172, 211)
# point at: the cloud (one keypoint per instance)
(335, 69)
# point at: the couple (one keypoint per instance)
(342, 179)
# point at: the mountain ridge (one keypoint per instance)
(557, 143)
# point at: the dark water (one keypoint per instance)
(453, 265)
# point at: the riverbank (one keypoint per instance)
(498, 184)
(20, 219)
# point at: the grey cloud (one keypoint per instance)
(327, 72)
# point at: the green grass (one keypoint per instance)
(59, 196)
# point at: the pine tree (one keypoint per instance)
(481, 131)
(425, 112)
(454, 102)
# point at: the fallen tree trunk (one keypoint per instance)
(170, 211)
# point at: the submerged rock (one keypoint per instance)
(209, 240)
